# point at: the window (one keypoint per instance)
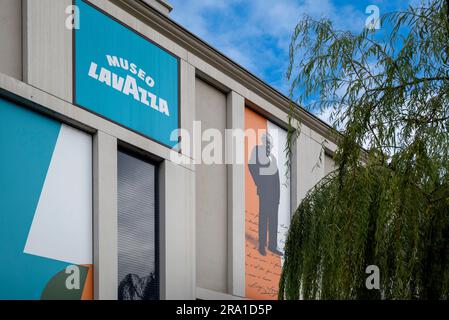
(138, 274)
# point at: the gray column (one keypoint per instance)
(294, 177)
(236, 194)
(105, 217)
(187, 106)
(177, 232)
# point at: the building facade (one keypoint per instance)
(138, 162)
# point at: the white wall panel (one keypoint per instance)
(62, 225)
(279, 136)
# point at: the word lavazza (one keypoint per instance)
(128, 85)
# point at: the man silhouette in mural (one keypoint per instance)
(264, 171)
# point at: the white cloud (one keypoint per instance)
(326, 115)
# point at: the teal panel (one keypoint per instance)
(124, 77)
(27, 141)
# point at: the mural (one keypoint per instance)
(45, 207)
(267, 206)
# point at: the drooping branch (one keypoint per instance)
(392, 208)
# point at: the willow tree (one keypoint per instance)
(387, 204)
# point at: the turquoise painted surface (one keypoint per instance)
(98, 36)
(27, 142)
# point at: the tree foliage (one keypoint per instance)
(387, 205)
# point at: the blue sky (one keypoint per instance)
(256, 33)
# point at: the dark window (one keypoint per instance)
(137, 230)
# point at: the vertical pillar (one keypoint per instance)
(236, 194)
(187, 106)
(105, 217)
(177, 232)
(294, 176)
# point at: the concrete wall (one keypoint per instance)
(48, 46)
(11, 37)
(329, 164)
(211, 196)
(309, 164)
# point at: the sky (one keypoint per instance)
(256, 33)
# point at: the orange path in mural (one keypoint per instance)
(88, 290)
(262, 273)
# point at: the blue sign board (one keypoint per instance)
(124, 77)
